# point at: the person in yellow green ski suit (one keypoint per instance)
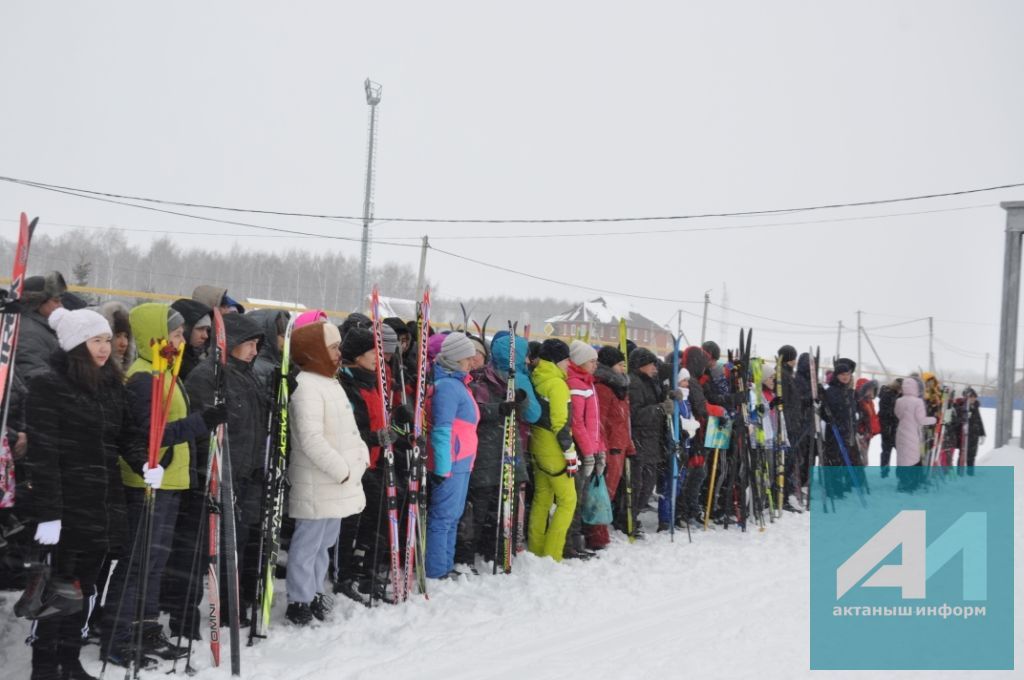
(553, 455)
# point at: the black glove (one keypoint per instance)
(520, 396)
(419, 442)
(760, 409)
(435, 479)
(401, 415)
(385, 437)
(777, 402)
(676, 394)
(506, 408)
(214, 416)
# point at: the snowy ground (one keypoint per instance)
(729, 605)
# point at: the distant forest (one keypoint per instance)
(326, 280)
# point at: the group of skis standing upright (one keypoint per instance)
(156, 444)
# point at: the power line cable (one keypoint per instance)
(580, 220)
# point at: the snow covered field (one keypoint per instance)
(729, 605)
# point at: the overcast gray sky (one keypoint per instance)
(560, 110)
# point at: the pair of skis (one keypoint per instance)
(9, 325)
(275, 465)
(221, 504)
(504, 541)
(416, 526)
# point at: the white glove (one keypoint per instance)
(153, 477)
(981, 441)
(572, 463)
(48, 533)
(691, 425)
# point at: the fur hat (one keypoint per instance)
(844, 366)
(610, 356)
(75, 327)
(641, 357)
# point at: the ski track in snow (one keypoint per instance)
(729, 605)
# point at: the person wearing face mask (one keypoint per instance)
(78, 419)
(248, 405)
(454, 418)
(327, 460)
(171, 478)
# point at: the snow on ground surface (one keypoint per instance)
(728, 605)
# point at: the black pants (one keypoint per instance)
(65, 635)
(364, 541)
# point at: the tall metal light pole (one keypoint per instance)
(1007, 356)
(373, 91)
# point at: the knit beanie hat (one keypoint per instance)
(580, 352)
(767, 375)
(787, 353)
(712, 348)
(174, 320)
(683, 375)
(456, 347)
(388, 339)
(610, 356)
(312, 316)
(478, 344)
(355, 343)
(554, 350)
(74, 328)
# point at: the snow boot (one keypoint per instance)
(44, 662)
(321, 606)
(299, 613)
(70, 665)
(155, 642)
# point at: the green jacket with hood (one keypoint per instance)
(149, 322)
(550, 435)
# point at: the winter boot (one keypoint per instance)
(155, 642)
(349, 587)
(44, 662)
(299, 613)
(321, 606)
(70, 665)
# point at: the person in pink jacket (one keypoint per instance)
(910, 411)
(586, 433)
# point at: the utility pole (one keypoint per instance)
(839, 337)
(704, 321)
(421, 280)
(885, 370)
(373, 91)
(984, 382)
(860, 331)
(931, 350)
(1006, 359)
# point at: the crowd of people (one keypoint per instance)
(595, 428)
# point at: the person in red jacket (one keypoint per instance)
(868, 424)
(611, 383)
(586, 433)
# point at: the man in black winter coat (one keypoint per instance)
(841, 412)
(267, 365)
(248, 407)
(648, 406)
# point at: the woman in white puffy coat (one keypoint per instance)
(325, 470)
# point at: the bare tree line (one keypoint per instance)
(324, 279)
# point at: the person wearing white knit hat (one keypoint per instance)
(75, 418)
(81, 325)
